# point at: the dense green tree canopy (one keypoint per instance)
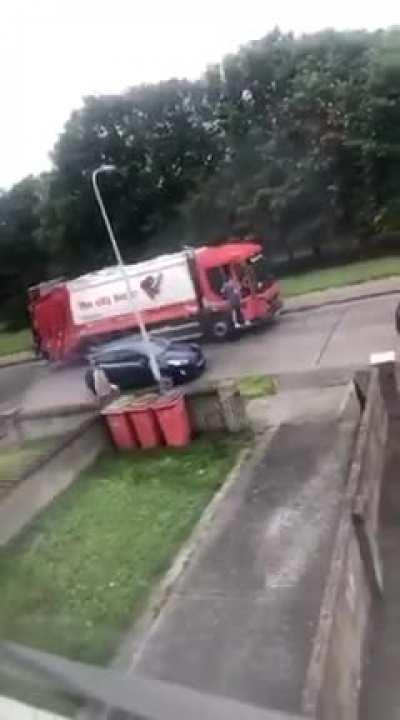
(23, 260)
(295, 139)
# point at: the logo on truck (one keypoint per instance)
(151, 285)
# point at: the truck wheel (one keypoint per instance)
(221, 328)
(397, 318)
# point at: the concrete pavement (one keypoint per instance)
(297, 405)
(15, 381)
(58, 386)
(241, 620)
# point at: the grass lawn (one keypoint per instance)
(349, 274)
(252, 386)
(78, 577)
(13, 342)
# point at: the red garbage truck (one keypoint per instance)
(176, 293)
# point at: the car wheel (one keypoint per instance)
(89, 381)
(397, 318)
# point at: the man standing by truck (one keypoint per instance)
(230, 290)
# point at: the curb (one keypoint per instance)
(20, 361)
(58, 411)
(340, 301)
(133, 644)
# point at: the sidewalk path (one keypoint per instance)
(58, 388)
(17, 358)
(347, 293)
(241, 620)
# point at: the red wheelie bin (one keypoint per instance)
(173, 418)
(143, 419)
(120, 428)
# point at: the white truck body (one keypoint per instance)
(157, 283)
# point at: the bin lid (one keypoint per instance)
(167, 400)
(142, 402)
(116, 407)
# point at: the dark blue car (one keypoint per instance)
(126, 362)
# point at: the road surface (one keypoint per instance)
(334, 336)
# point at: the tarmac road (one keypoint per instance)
(326, 337)
(16, 380)
(333, 336)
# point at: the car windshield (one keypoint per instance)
(158, 345)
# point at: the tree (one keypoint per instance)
(291, 171)
(23, 260)
(161, 140)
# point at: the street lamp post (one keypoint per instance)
(129, 293)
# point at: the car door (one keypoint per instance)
(137, 370)
(126, 368)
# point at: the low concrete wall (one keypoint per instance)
(49, 423)
(347, 621)
(205, 409)
(50, 476)
(335, 672)
(212, 406)
(216, 406)
(17, 426)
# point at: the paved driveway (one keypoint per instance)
(334, 336)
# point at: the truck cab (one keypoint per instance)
(245, 265)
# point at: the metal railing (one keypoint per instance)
(121, 695)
